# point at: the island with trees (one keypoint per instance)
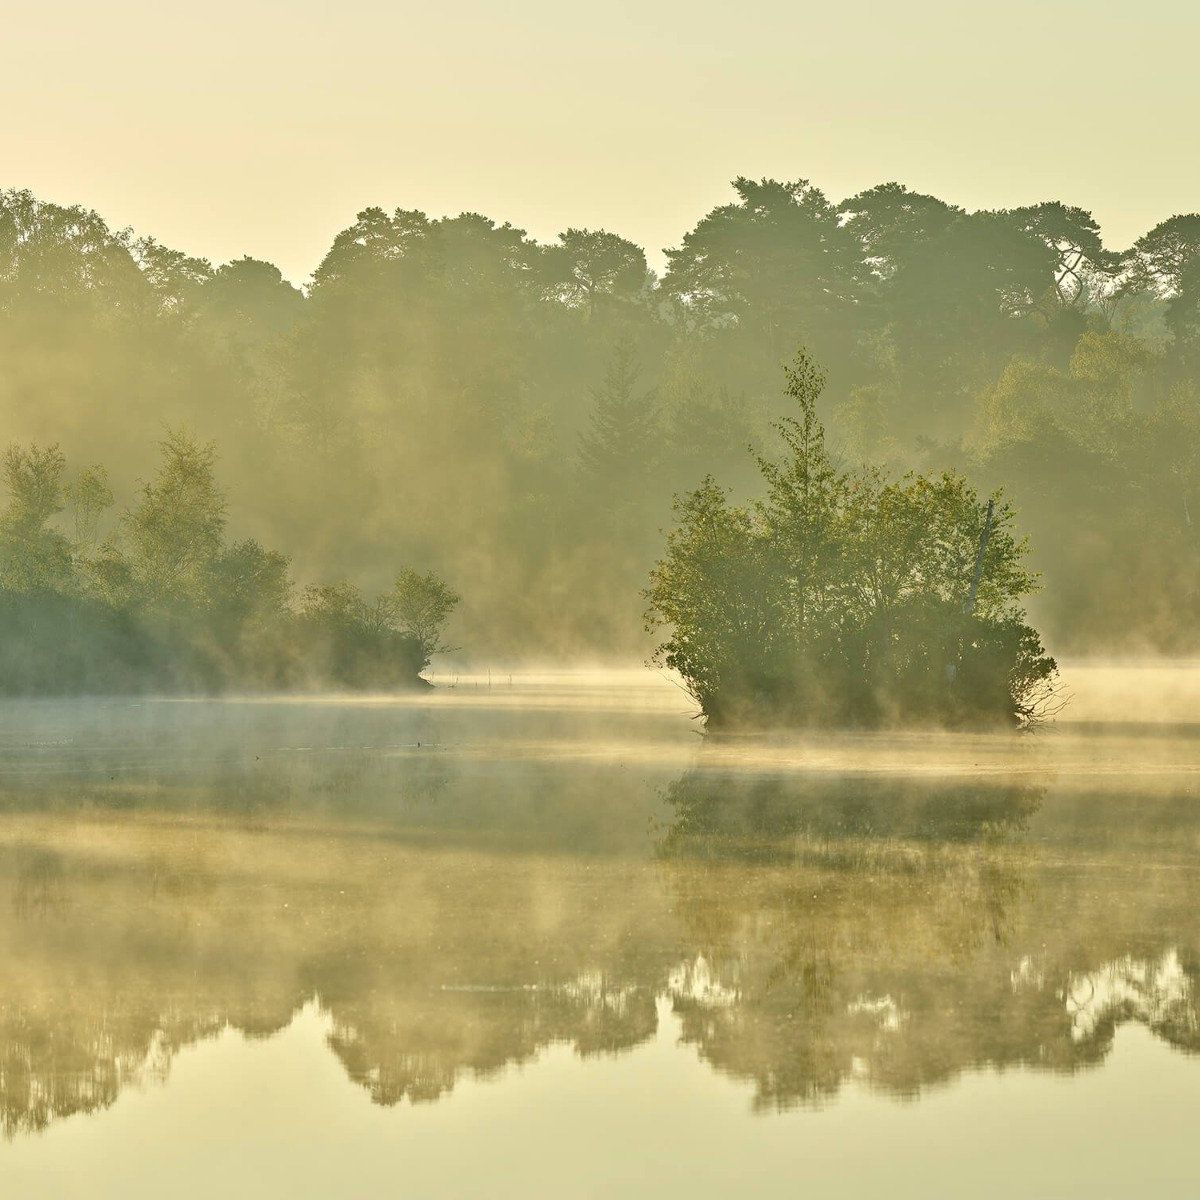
(847, 597)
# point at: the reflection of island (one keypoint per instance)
(901, 931)
(743, 814)
(807, 932)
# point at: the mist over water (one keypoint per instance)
(421, 936)
(600, 666)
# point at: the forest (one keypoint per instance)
(516, 416)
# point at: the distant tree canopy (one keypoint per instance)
(166, 602)
(516, 415)
(846, 597)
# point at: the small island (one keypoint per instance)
(848, 598)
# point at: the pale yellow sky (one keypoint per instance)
(262, 126)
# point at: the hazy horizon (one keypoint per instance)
(263, 129)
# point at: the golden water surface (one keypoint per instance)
(535, 936)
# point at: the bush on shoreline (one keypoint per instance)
(165, 603)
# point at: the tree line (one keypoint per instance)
(518, 414)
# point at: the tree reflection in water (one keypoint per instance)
(807, 930)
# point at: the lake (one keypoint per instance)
(533, 935)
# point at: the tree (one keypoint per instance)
(176, 529)
(1160, 258)
(775, 268)
(350, 643)
(600, 268)
(702, 426)
(176, 278)
(33, 555)
(616, 449)
(88, 496)
(1183, 312)
(960, 304)
(421, 605)
(888, 221)
(1085, 269)
(64, 254)
(251, 585)
(248, 302)
(446, 394)
(166, 603)
(706, 591)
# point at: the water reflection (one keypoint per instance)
(454, 913)
(864, 943)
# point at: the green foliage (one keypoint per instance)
(600, 270)
(421, 605)
(353, 643)
(617, 448)
(166, 603)
(33, 555)
(845, 597)
(89, 496)
(1161, 257)
(176, 529)
(445, 392)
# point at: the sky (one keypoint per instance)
(262, 126)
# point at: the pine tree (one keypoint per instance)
(616, 450)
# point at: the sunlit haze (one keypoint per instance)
(262, 127)
(599, 600)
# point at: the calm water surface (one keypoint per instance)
(539, 938)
